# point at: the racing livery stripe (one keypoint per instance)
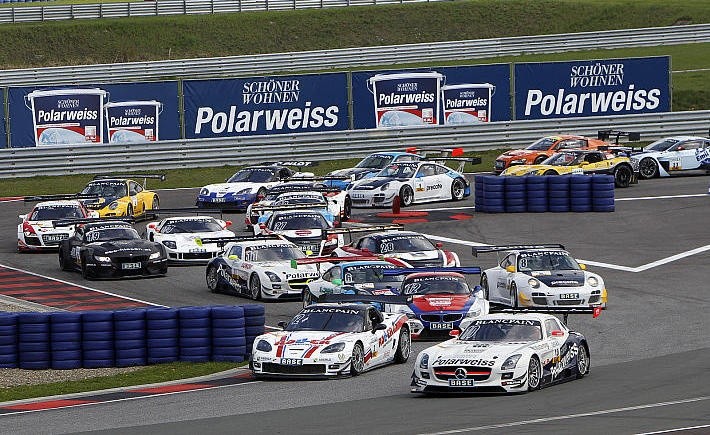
(368, 355)
(310, 351)
(280, 346)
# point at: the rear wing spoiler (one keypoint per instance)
(304, 188)
(497, 248)
(257, 208)
(160, 177)
(382, 299)
(80, 221)
(632, 136)
(221, 241)
(564, 311)
(364, 229)
(316, 260)
(443, 152)
(405, 271)
(189, 210)
(294, 163)
(60, 197)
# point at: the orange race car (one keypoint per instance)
(544, 148)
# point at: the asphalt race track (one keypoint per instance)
(650, 351)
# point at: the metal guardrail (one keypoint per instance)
(348, 58)
(29, 14)
(96, 159)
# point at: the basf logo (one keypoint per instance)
(592, 88)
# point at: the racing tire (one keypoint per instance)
(583, 361)
(212, 279)
(255, 287)
(156, 203)
(539, 159)
(550, 172)
(648, 168)
(622, 176)
(347, 210)
(261, 192)
(84, 271)
(63, 263)
(357, 360)
(129, 211)
(406, 196)
(513, 295)
(484, 287)
(404, 347)
(308, 297)
(458, 189)
(534, 374)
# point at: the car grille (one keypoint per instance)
(441, 317)
(360, 201)
(297, 284)
(594, 299)
(569, 302)
(198, 255)
(306, 369)
(537, 300)
(449, 372)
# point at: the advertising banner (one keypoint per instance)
(419, 97)
(592, 88)
(133, 121)
(78, 115)
(265, 105)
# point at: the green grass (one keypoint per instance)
(146, 375)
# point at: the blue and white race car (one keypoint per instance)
(413, 182)
(673, 155)
(369, 166)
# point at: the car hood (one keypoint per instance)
(232, 187)
(357, 172)
(517, 154)
(284, 269)
(473, 353)
(559, 278)
(524, 169)
(191, 238)
(302, 234)
(375, 182)
(43, 224)
(441, 302)
(295, 344)
(133, 246)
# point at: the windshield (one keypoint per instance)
(435, 285)
(369, 274)
(661, 145)
(108, 234)
(58, 212)
(542, 144)
(299, 222)
(564, 159)
(252, 176)
(492, 330)
(546, 260)
(334, 319)
(273, 253)
(105, 189)
(375, 161)
(191, 226)
(399, 170)
(311, 200)
(403, 244)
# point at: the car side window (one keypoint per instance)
(285, 173)
(139, 188)
(550, 325)
(508, 261)
(236, 250)
(692, 144)
(426, 171)
(132, 191)
(440, 170)
(368, 243)
(368, 321)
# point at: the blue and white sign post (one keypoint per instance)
(133, 121)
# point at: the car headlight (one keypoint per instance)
(510, 363)
(403, 309)
(244, 191)
(204, 191)
(474, 312)
(533, 283)
(263, 346)
(517, 162)
(272, 276)
(154, 255)
(593, 281)
(385, 187)
(335, 347)
(170, 244)
(102, 259)
(113, 206)
(424, 362)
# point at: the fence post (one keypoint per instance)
(101, 10)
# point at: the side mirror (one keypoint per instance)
(558, 333)
(22, 216)
(454, 333)
(365, 250)
(228, 224)
(262, 226)
(94, 214)
(439, 245)
(583, 163)
(282, 324)
(337, 281)
(510, 269)
(583, 266)
(680, 149)
(152, 226)
(379, 327)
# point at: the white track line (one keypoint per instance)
(676, 429)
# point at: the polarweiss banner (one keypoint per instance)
(592, 88)
(265, 105)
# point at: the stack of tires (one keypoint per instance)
(33, 341)
(97, 339)
(195, 336)
(536, 193)
(602, 192)
(478, 190)
(161, 333)
(130, 337)
(8, 340)
(580, 193)
(254, 320)
(558, 197)
(229, 342)
(65, 340)
(492, 195)
(515, 195)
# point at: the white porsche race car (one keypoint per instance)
(503, 353)
(258, 267)
(181, 235)
(673, 155)
(540, 276)
(331, 340)
(37, 231)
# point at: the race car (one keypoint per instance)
(441, 300)
(543, 148)
(412, 182)
(120, 196)
(673, 155)
(306, 228)
(37, 231)
(311, 201)
(625, 171)
(180, 236)
(411, 247)
(370, 166)
(338, 201)
(259, 267)
(503, 352)
(540, 276)
(352, 275)
(247, 185)
(327, 340)
(110, 249)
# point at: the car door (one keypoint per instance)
(133, 197)
(502, 285)
(379, 340)
(425, 181)
(690, 153)
(702, 155)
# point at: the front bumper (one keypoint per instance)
(116, 269)
(233, 202)
(433, 380)
(270, 366)
(567, 297)
(371, 198)
(41, 242)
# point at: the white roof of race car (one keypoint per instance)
(188, 218)
(58, 203)
(541, 317)
(264, 243)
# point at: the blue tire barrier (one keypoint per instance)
(154, 334)
(41, 346)
(65, 327)
(516, 195)
(513, 181)
(253, 331)
(161, 314)
(194, 323)
(194, 332)
(603, 208)
(138, 334)
(32, 317)
(493, 180)
(8, 336)
(129, 344)
(34, 360)
(8, 319)
(229, 358)
(490, 203)
(97, 316)
(515, 202)
(162, 324)
(97, 345)
(603, 195)
(558, 208)
(129, 325)
(97, 363)
(229, 341)
(97, 335)
(229, 332)
(66, 364)
(494, 190)
(128, 315)
(139, 352)
(495, 209)
(11, 349)
(195, 351)
(185, 342)
(55, 346)
(557, 194)
(228, 323)
(32, 328)
(516, 208)
(98, 354)
(231, 350)
(162, 342)
(63, 318)
(194, 313)
(254, 320)
(65, 355)
(163, 353)
(227, 312)
(130, 362)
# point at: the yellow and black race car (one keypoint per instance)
(582, 162)
(118, 196)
